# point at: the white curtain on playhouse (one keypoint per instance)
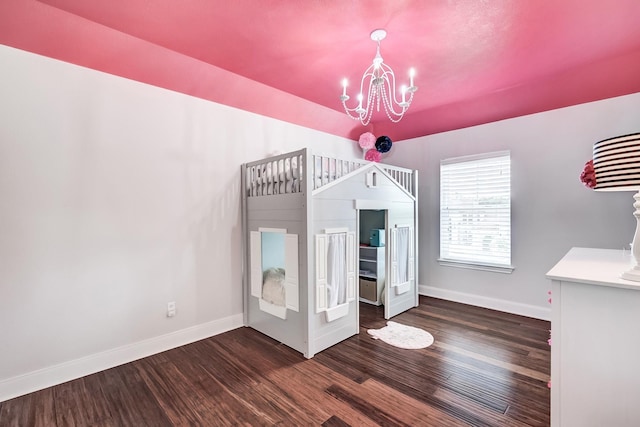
(336, 266)
(403, 254)
(336, 252)
(402, 259)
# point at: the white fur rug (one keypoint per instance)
(402, 336)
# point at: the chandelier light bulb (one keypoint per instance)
(378, 89)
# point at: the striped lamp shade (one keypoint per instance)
(616, 162)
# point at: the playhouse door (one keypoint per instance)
(401, 291)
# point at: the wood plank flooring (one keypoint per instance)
(485, 368)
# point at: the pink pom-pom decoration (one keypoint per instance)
(588, 175)
(549, 384)
(367, 141)
(372, 155)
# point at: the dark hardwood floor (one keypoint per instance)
(485, 368)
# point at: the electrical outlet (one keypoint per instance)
(171, 309)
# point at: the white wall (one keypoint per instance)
(551, 209)
(115, 198)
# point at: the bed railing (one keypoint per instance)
(276, 175)
(328, 169)
(283, 174)
(402, 176)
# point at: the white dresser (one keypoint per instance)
(595, 331)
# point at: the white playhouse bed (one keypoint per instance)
(300, 220)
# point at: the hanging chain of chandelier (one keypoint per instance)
(380, 84)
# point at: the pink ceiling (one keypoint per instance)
(476, 61)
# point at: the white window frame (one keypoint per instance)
(482, 171)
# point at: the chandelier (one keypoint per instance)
(380, 85)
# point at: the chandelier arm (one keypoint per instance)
(390, 80)
(390, 107)
(364, 117)
(391, 102)
(392, 114)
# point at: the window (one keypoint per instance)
(475, 212)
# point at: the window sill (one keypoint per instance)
(476, 266)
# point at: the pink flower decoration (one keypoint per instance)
(367, 141)
(549, 300)
(588, 175)
(372, 155)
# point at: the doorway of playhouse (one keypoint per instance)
(372, 227)
(386, 261)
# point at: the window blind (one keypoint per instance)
(475, 209)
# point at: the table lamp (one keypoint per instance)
(616, 163)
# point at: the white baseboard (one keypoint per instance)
(73, 369)
(492, 303)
